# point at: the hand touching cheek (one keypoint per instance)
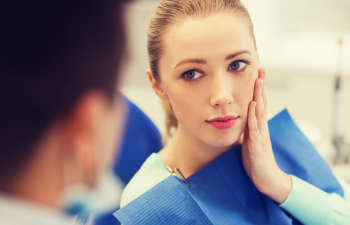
(257, 155)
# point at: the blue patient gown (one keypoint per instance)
(221, 193)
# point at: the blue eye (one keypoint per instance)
(238, 65)
(191, 75)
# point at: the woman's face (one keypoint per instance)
(207, 71)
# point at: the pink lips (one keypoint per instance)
(223, 123)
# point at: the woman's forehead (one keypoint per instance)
(218, 34)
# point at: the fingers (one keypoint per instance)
(257, 115)
(261, 103)
(252, 121)
(256, 90)
(261, 73)
(263, 120)
(264, 97)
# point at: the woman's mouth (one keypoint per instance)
(223, 123)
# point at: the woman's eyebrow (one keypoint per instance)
(234, 55)
(198, 61)
(202, 61)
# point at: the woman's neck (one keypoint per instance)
(188, 153)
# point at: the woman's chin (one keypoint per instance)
(223, 143)
(226, 139)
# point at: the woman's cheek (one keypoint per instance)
(181, 105)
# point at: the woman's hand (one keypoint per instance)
(257, 155)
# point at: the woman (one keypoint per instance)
(204, 66)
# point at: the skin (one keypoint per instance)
(75, 149)
(257, 155)
(206, 74)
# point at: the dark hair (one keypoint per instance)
(51, 53)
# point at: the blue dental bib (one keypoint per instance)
(221, 193)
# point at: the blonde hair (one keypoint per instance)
(168, 13)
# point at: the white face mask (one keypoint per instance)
(83, 201)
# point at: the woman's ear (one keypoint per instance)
(156, 85)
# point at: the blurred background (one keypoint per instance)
(308, 70)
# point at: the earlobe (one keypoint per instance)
(156, 85)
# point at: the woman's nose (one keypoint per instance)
(222, 90)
